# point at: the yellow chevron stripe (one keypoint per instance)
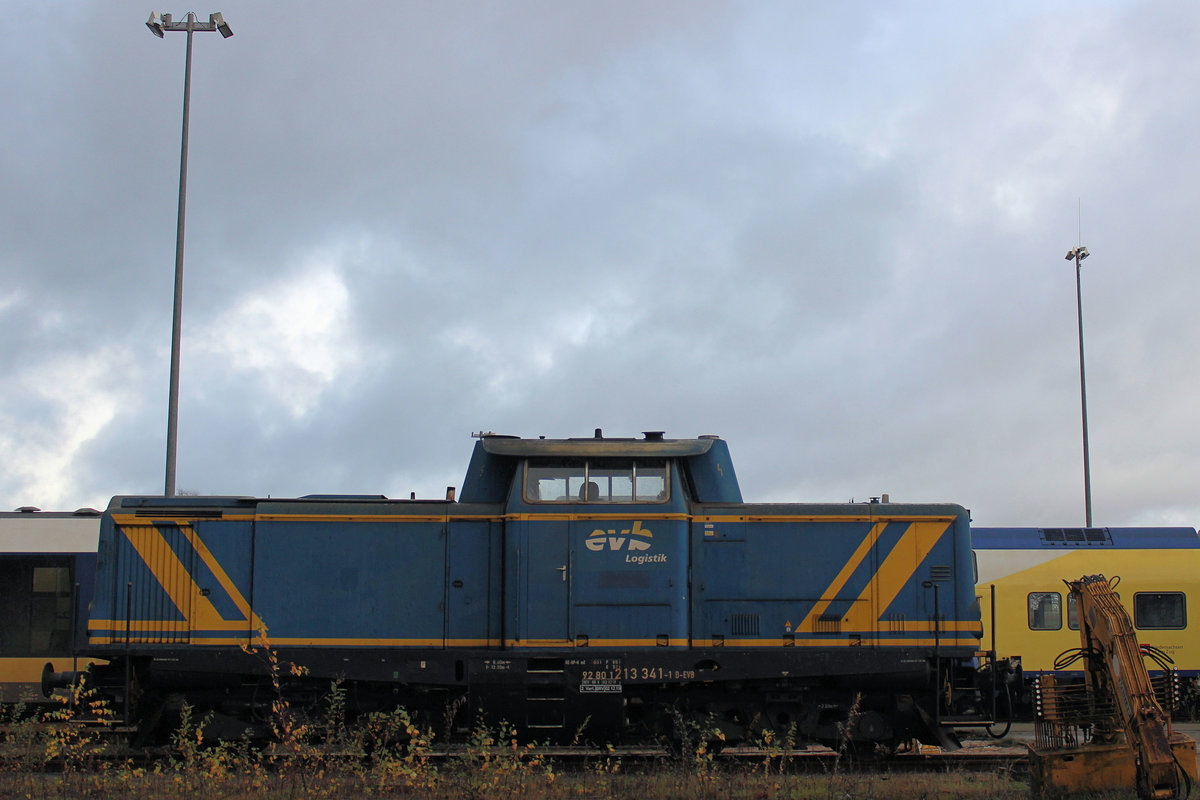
(252, 621)
(839, 582)
(198, 610)
(895, 571)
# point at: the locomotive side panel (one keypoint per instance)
(817, 577)
(222, 575)
(761, 583)
(630, 585)
(343, 583)
(309, 574)
(146, 591)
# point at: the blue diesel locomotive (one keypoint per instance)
(613, 587)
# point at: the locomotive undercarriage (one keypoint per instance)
(874, 699)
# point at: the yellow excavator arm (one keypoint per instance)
(1117, 734)
(1115, 669)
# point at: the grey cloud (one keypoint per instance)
(832, 235)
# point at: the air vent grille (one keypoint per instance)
(1076, 537)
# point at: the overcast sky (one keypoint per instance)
(832, 233)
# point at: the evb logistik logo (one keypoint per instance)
(632, 540)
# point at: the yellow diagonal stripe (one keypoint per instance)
(226, 582)
(895, 571)
(178, 584)
(839, 582)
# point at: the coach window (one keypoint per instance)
(1072, 612)
(1159, 610)
(1045, 611)
(50, 611)
(35, 607)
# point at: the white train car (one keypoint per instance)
(47, 572)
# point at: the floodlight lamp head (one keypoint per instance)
(217, 20)
(1083, 253)
(155, 24)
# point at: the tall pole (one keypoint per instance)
(177, 312)
(1078, 254)
(158, 24)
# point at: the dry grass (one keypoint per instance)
(390, 755)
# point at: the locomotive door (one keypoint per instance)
(546, 582)
(469, 584)
(158, 610)
(200, 587)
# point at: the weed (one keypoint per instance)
(777, 751)
(846, 743)
(495, 764)
(400, 751)
(288, 727)
(74, 736)
(698, 739)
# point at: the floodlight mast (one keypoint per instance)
(1077, 255)
(158, 24)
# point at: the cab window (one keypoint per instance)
(1045, 611)
(596, 481)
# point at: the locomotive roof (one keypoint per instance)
(496, 458)
(596, 447)
(985, 538)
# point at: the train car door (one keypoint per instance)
(194, 591)
(537, 555)
(200, 583)
(222, 580)
(470, 581)
(158, 609)
(547, 582)
(598, 554)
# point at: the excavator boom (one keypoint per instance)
(1135, 733)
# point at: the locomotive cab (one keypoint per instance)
(596, 539)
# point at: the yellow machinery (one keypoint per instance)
(1111, 731)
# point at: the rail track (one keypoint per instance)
(974, 757)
